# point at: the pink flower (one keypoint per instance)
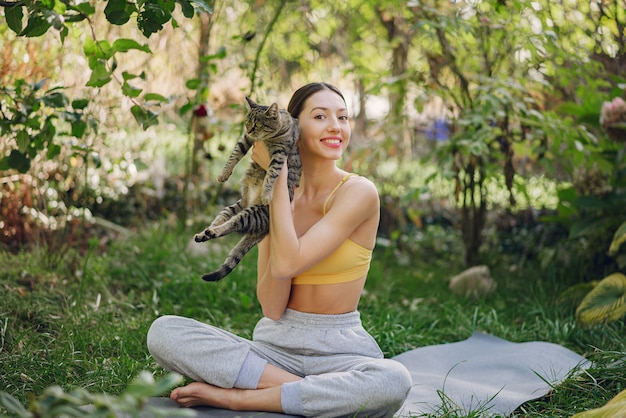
(613, 111)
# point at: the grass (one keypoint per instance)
(79, 318)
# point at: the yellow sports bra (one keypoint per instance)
(350, 261)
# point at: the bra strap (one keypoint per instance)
(343, 180)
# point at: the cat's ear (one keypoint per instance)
(273, 111)
(251, 103)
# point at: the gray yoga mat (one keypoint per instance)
(482, 373)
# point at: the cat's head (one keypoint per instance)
(262, 121)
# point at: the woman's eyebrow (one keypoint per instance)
(343, 109)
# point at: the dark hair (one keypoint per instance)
(303, 93)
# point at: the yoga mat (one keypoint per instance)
(484, 373)
(166, 404)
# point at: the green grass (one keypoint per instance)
(79, 318)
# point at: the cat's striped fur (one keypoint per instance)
(250, 215)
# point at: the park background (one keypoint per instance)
(494, 131)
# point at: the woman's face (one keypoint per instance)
(324, 125)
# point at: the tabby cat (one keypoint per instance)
(250, 215)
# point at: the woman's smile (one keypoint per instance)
(333, 142)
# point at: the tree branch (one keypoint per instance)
(258, 52)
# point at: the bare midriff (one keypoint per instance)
(335, 298)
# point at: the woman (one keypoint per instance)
(309, 354)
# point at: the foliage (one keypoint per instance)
(499, 96)
(618, 239)
(605, 302)
(54, 402)
(25, 116)
(495, 73)
(33, 119)
(592, 207)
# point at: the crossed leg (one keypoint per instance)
(265, 398)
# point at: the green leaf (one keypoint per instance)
(193, 83)
(78, 128)
(37, 25)
(14, 16)
(13, 405)
(144, 117)
(118, 12)
(128, 76)
(99, 76)
(18, 161)
(186, 7)
(185, 108)
(53, 151)
(63, 33)
(130, 91)
(80, 104)
(152, 19)
(155, 97)
(23, 141)
(55, 99)
(618, 239)
(220, 54)
(125, 45)
(85, 8)
(605, 303)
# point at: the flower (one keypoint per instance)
(613, 111)
(201, 111)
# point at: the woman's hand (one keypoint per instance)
(260, 155)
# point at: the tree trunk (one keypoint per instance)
(199, 129)
(399, 35)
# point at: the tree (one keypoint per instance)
(493, 67)
(30, 116)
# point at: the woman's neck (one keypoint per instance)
(319, 178)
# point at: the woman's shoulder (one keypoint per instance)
(359, 186)
(362, 181)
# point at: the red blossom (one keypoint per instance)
(201, 111)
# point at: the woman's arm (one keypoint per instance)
(354, 205)
(273, 294)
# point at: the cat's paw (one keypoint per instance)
(222, 178)
(266, 198)
(205, 236)
(200, 238)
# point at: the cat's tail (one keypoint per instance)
(235, 256)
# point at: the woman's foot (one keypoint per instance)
(203, 394)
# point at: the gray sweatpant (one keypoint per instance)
(343, 368)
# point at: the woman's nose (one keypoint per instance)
(334, 125)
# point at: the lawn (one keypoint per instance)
(79, 318)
